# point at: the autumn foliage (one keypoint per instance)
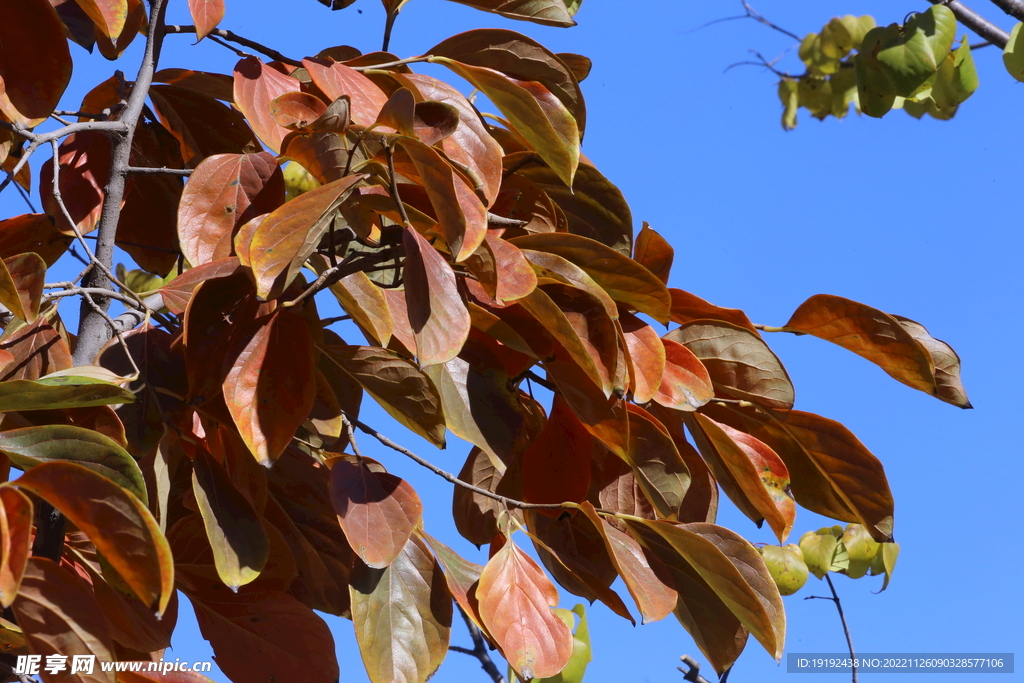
(204, 440)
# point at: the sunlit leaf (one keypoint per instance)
(687, 307)
(335, 80)
(912, 53)
(646, 355)
(256, 85)
(581, 650)
(16, 512)
(402, 616)
(659, 470)
(120, 526)
(21, 285)
(515, 604)
(653, 252)
(377, 511)
(685, 381)
(36, 60)
(547, 12)
(945, 361)
(60, 392)
(202, 125)
(206, 14)
(1013, 53)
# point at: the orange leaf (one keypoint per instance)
(59, 616)
(225, 191)
(515, 604)
(281, 243)
(269, 389)
(335, 79)
(749, 471)
(120, 526)
(646, 357)
(439, 319)
(206, 14)
(296, 110)
(948, 386)
(84, 171)
(685, 383)
(32, 232)
(653, 252)
(256, 84)
(377, 511)
(15, 529)
(37, 349)
(108, 15)
(738, 361)
(556, 465)
(644, 576)
(202, 125)
(21, 285)
(688, 307)
(36, 60)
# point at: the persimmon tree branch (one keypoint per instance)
(235, 38)
(93, 331)
(842, 618)
(692, 671)
(479, 649)
(981, 26)
(1015, 8)
(36, 140)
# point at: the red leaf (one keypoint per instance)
(84, 171)
(685, 384)
(269, 388)
(108, 15)
(32, 232)
(335, 79)
(206, 14)
(256, 84)
(439, 319)
(36, 61)
(556, 466)
(653, 252)
(377, 511)
(202, 125)
(296, 110)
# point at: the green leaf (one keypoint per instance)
(875, 90)
(1013, 53)
(788, 93)
(59, 392)
(32, 446)
(913, 52)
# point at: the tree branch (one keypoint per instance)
(1015, 8)
(693, 675)
(235, 38)
(479, 649)
(842, 618)
(93, 331)
(974, 21)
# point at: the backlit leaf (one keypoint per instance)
(36, 60)
(217, 86)
(21, 285)
(237, 537)
(108, 15)
(402, 616)
(120, 526)
(60, 392)
(32, 446)
(225, 191)
(644, 576)
(653, 252)
(284, 240)
(646, 356)
(202, 125)
(460, 574)
(547, 12)
(178, 292)
(912, 53)
(269, 387)
(439, 319)
(515, 604)
(603, 416)
(335, 80)
(32, 232)
(364, 301)
(685, 382)
(659, 470)
(16, 514)
(256, 85)
(296, 110)
(206, 14)
(60, 616)
(556, 465)
(1013, 53)
(738, 361)
(377, 511)
(84, 159)
(687, 307)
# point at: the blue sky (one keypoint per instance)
(917, 218)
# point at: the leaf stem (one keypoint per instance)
(389, 25)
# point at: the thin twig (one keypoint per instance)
(448, 476)
(479, 649)
(351, 435)
(394, 186)
(842, 618)
(142, 170)
(693, 674)
(113, 330)
(749, 13)
(240, 53)
(24, 195)
(397, 62)
(389, 24)
(235, 38)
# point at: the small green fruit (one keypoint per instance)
(787, 567)
(862, 549)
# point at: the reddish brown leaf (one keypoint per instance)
(519, 198)
(334, 80)
(135, 18)
(476, 515)
(685, 383)
(735, 572)
(653, 252)
(223, 192)
(15, 530)
(605, 418)
(21, 285)
(646, 357)
(160, 677)
(36, 61)
(296, 110)
(217, 86)
(78, 24)
(556, 466)
(84, 171)
(206, 14)
(515, 604)
(659, 470)
(277, 247)
(364, 301)
(32, 232)
(700, 504)
(108, 15)
(439, 319)
(948, 386)
(269, 387)
(461, 576)
(402, 616)
(37, 349)
(645, 577)
(869, 333)
(146, 229)
(749, 471)
(178, 292)
(256, 85)
(469, 146)
(688, 307)
(546, 12)
(261, 634)
(377, 511)
(202, 125)
(614, 487)
(738, 361)
(59, 616)
(120, 526)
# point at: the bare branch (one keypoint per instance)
(142, 170)
(974, 21)
(1015, 8)
(479, 649)
(235, 38)
(693, 674)
(842, 618)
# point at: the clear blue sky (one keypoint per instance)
(918, 218)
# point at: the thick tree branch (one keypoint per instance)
(974, 21)
(1015, 8)
(235, 38)
(479, 649)
(93, 331)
